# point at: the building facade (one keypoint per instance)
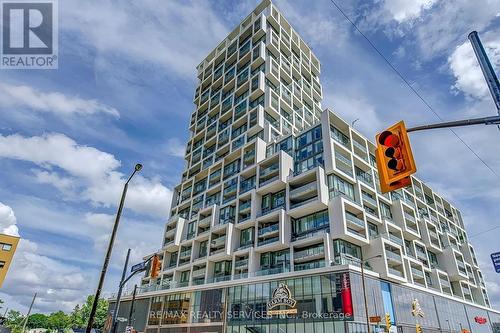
(8, 245)
(279, 204)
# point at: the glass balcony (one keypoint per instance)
(393, 255)
(218, 241)
(418, 273)
(185, 254)
(369, 199)
(395, 272)
(269, 229)
(303, 190)
(199, 272)
(268, 241)
(273, 270)
(311, 252)
(241, 263)
(354, 219)
(340, 137)
(309, 265)
(245, 206)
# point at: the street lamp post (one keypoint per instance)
(362, 264)
(137, 168)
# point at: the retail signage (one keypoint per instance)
(375, 319)
(281, 297)
(416, 309)
(495, 257)
(480, 320)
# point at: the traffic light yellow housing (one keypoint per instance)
(388, 322)
(418, 328)
(395, 161)
(155, 267)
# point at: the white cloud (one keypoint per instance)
(175, 147)
(402, 10)
(449, 23)
(55, 102)
(94, 171)
(58, 285)
(8, 221)
(159, 33)
(463, 64)
(55, 282)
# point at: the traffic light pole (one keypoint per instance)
(494, 120)
(493, 86)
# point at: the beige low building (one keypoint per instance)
(8, 245)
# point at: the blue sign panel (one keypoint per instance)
(138, 267)
(495, 257)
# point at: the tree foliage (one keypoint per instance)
(58, 321)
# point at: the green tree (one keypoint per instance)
(100, 315)
(58, 321)
(76, 317)
(37, 320)
(14, 321)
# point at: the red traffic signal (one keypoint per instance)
(395, 161)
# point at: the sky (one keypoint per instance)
(123, 94)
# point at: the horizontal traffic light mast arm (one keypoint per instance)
(494, 120)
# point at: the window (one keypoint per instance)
(385, 209)
(246, 236)
(310, 223)
(338, 185)
(372, 230)
(272, 201)
(184, 277)
(203, 249)
(5, 247)
(342, 248)
(231, 169)
(191, 230)
(278, 259)
(226, 215)
(200, 186)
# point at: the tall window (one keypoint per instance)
(246, 236)
(310, 223)
(342, 247)
(278, 259)
(338, 185)
(385, 209)
(273, 200)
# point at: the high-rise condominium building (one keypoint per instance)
(279, 206)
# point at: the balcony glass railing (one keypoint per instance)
(241, 263)
(268, 241)
(309, 265)
(392, 255)
(269, 229)
(354, 219)
(309, 252)
(272, 270)
(395, 272)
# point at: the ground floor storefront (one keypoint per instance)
(319, 303)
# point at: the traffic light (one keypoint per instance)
(395, 161)
(418, 328)
(155, 267)
(388, 322)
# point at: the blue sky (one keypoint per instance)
(123, 94)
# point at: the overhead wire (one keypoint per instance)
(401, 76)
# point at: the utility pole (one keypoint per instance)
(28, 315)
(118, 298)
(129, 321)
